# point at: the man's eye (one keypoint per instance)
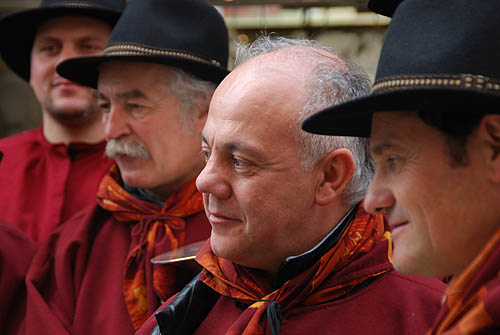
(49, 49)
(104, 106)
(237, 161)
(206, 154)
(133, 106)
(91, 47)
(392, 162)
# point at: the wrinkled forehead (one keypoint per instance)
(251, 106)
(128, 73)
(259, 91)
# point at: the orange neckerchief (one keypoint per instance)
(237, 282)
(154, 231)
(470, 306)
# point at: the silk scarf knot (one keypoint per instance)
(305, 289)
(154, 230)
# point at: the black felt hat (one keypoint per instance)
(188, 34)
(384, 7)
(18, 29)
(438, 55)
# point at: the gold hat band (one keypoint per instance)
(466, 81)
(76, 4)
(137, 50)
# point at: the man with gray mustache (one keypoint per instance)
(94, 275)
(117, 147)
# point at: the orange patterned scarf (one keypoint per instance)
(472, 304)
(306, 288)
(154, 230)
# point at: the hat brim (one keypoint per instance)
(353, 118)
(19, 29)
(85, 70)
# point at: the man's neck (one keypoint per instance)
(143, 194)
(295, 264)
(86, 131)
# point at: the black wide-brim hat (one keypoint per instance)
(18, 29)
(187, 34)
(438, 55)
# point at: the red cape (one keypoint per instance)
(16, 252)
(41, 183)
(75, 282)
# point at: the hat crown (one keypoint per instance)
(442, 37)
(437, 56)
(186, 34)
(117, 5)
(384, 7)
(192, 27)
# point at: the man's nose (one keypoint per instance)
(379, 198)
(212, 180)
(67, 52)
(115, 124)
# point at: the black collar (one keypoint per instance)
(139, 193)
(293, 265)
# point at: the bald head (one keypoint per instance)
(264, 178)
(284, 81)
(278, 80)
(267, 83)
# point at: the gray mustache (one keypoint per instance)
(117, 147)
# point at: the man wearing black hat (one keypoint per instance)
(434, 127)
(154, 82)
(292, 249)
(42, 171)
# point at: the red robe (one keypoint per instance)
(387, 304)
(75, 284)
(44, 184)
(16, 252)
(393, 304)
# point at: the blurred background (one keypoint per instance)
(346, 25)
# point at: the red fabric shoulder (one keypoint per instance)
(16, 252)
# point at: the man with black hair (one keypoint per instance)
(434, 127)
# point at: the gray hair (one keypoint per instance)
(194, 95)
(334, 80)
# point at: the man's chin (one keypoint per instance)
(69, 114)
(132, 176)
(411, 262)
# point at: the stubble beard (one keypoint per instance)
(77, 116)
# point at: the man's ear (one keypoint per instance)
(336, 170)
(490, 131)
